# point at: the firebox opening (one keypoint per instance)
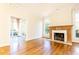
(59, 36)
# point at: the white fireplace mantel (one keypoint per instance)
(60, 31)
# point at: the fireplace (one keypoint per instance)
(59, 36)
(65, 31)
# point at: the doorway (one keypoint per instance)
(17, 34)
(46, 25)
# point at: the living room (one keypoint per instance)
(38, 28)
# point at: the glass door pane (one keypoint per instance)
(76, 27)
(46, 25)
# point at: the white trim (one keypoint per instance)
(60, 31)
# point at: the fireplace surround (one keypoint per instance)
(66, 29)
(59, 36)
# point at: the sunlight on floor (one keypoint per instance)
(17, 43)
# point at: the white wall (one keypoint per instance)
(33, 23)
(34, 28)
(4, 26)
(62, 16)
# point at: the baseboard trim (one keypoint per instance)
(33, 39)
(5, 45)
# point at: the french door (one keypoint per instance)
(46, 25)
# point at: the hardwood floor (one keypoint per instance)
(40, 47)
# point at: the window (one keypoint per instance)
(77, 24)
